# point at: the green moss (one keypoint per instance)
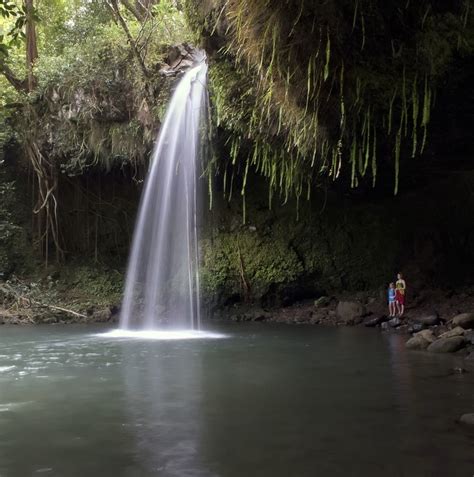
(295, 84)
(247, 264)
(86, 285)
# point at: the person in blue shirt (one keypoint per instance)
(392, 300)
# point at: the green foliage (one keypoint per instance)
(83, 285)
(234, 261)
(13, 242)
(12, 22)
(92, 105)
(327, 84)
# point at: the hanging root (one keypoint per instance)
(46, 208)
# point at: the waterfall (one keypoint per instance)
(162, 282)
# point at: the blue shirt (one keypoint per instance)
(391, 295)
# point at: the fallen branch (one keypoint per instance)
(59, 308)
(22, 300)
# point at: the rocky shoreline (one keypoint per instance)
(57, 316)
(436, 321)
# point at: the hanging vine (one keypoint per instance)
(311, 93)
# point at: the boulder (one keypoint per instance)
(465, 320)
(393, 323)
(101, 316)
(50, 320)
(467, 419)
(415, 327)
(351, 312)
(374, 321)
(458, 331)
(427, 335)
(257, 315)
(447, 345)
(469, 336)
(417, 342)
(428, 320)
(402, 329)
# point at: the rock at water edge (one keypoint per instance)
(467, 419)
(458, 331)
(417, 342)
(429, 320)
(350, 312)
(428, 335)
(465, 320)
(447, 345)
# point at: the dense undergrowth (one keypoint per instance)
(95, 94)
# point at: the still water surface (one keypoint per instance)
(265, 401)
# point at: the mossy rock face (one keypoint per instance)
(344, 246)
(247, 265)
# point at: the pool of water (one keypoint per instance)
(262, 401)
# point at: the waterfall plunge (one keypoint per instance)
(162, 283)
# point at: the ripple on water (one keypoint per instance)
(5, 369)
(11, 406)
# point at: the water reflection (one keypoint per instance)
(164, 397)
(423, 385)
(267, 402)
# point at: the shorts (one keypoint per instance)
(400, 297)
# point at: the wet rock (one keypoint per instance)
(417, 343)
(447, 345)
(259, 315)
(428, 320)
(391, 324)
(467, 419)
(458, 331)
(101, 316)
(469, 336)
(351, 312)
(50, 320)
(402, 330)
(375, 321)
(440, 329)
(465, 320)
(394, 322)
(416, 327)
(180, 57)
(427, 335)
